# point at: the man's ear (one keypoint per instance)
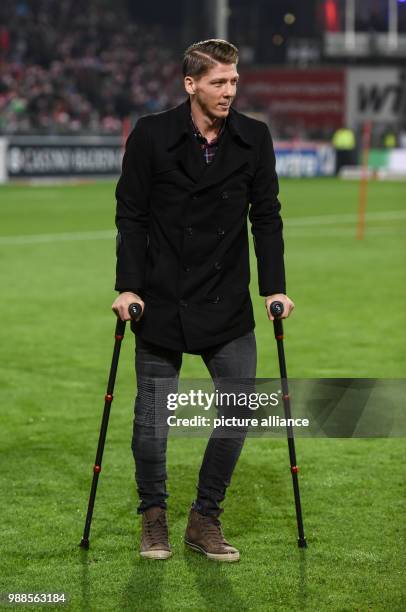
(189, 85)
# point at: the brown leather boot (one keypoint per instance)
(154, 539)
(204, 534)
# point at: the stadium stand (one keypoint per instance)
(65, 70)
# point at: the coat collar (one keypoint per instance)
(229, 159)
(181, 126)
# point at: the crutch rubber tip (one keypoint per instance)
(301, 542)
(84, 543)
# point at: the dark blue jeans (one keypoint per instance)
(236, 359)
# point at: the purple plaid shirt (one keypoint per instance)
(209, 148)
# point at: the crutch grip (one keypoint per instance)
(134, 310)
(276, 309)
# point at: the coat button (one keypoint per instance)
(218, 265)
(216, 299)
(224, 195)
(182, 304)
(220, 232)
(189, 230)
(186, 268)
(195, 196)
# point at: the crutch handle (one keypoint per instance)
(276, 308)
(134, 310)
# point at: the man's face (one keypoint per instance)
(215, 90)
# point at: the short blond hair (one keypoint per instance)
(203, 55)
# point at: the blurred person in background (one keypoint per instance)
(389, 138)
(345, 144)
(190, 177)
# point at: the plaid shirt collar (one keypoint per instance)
(200, 136)
(209, 148)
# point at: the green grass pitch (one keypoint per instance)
(57, 256)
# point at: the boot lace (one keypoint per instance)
(211, 527)
(157, 530)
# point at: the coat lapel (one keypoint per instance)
(230, 157)
(190, 159)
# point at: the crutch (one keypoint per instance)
(276, 309)
(134, 312)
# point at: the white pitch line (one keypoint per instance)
(337, 231)
(295, 222)
(390, 215)
(62, 237)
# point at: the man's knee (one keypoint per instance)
(148, 442)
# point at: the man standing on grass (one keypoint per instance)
(190, 177)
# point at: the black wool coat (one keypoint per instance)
(182, 238)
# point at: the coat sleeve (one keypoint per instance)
(132, 212)
(266, 222)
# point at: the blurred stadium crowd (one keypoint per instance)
(70, 67)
